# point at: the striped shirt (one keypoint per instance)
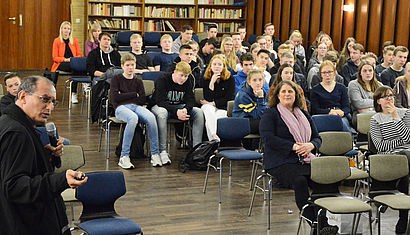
(391, 135)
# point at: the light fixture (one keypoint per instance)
(349, 8)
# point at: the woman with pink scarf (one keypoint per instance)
(291, 140)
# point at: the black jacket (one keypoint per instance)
(349, 71)
(389, 75)
(6, 101)
(195, 75)
(222, 93)
(97, 60)
(30, 191)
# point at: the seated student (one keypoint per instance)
(402, 89)
(299, 65)
(219, 88)
(92, 41)
(387, 60)
(361, 90)
(195, 57)
(12, 83)
(385, 44)
(263, 43)
(269, 28)
(281, 49)
(237, 45)
(287, 73)
(206, 52)
(318, 55)
(328, 40)
(103, 57)
(389, 75)
(251, 100)
(311, 49)
(329, 96)
(66, 46)
(175, 99)
(128, 97)
(229, 52)
(186, 55)
(212, 32)
(390, 133)
(247, 62)
(297, 39)
(269, 46)
(314, 77)
(143, 62)
(349, 70)
(345, 54)
(372, 59)
(261, 64)
(254, 49)
(184, 38)
(242, 31)
(162, 60)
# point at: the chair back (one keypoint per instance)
(149, 87)
(73, 158)
(79, 65)
(370, 144)
(252, 38)
(174, 36)
(151, 75)
(388, 167)
(201, 36)
(199, 95)
(152, 38)
(335, 143)
(195, 38)
(229, 107)
(330, 169)
(123, 38)
(232, 128)
(325, 122)
(363, 122)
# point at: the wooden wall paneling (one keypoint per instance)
(268, 14)
(259, 17)
(362, 16)
(402, 23)
(337, 26)
(285, 21)
(326, 18)
(348, 21)
(277, 15)
(373, 38)
(388, 23)
(315, 19)
(8, 35)
(305, 22)
(295, 16)
(250, 20)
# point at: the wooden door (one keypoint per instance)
(9, 21)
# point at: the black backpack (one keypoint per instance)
(137, 144)
(198, 157)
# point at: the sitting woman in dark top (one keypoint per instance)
(12, 82)
(390, 133)
(329, 96)
(291, 139)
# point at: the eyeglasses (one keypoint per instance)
(387, 97)
(327, 73)
(45, 99)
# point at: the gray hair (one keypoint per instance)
(29, 84)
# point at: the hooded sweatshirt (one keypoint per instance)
(240, 78)
(98, 60)
(247, 105)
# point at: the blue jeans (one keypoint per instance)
(162, 116)
(346, 125)
(131, 113)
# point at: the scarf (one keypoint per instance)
(299, 126)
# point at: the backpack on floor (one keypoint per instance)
(198, 157)
(137, 144)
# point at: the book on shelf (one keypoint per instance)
(103, 9)
(160, 25)
(124, 24)
(219, 13)
(169, 12)
(218, 2)
(222, 27)
(173, 2)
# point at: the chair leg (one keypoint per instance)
(379, 221)
(108, 140)
(269, 200)
(72, 211)
(65, 87)
(301, 218)
(220, 180)
(254, 193)
(230, 168)
(370, 222)
(101, 133)
(69, 96)
(355, 216)
(207, 173)
(253, 174)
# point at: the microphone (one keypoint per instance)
(52, 136)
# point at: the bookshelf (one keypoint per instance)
(166, 16)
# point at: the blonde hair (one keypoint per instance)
(253, 73)
(94, 27)
(331, 48)
(166, 36)
(127, 57)
(225, 74)
(183, 67)
(231, 58)
(296, 34)
(135, 36)
(70, 37)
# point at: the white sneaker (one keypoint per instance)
(125, 162)
(165, 158)
(74, 99)
(156, 160)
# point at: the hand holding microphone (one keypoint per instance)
(56, 145)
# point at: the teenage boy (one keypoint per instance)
(387, 59)
(143, 62)
(269, 28)
(247, 62)
(237, 45)
(212, 32)
(264, 45)
(389, 75)
(103, 57)
(128, 97)
(184, 38)
(186, 54)
(349, 70)
(12, 82)
(166, 57)
(261, 63)
(206, 52)
(175, 99)
(242, 31)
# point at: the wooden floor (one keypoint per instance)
(165, 201)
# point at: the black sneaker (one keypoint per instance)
(401, 226)
(329, 230)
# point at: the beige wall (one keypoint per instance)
(78, 20)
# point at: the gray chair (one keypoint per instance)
(333, 170)
(199, 95)
(363, 127)
(229, 107)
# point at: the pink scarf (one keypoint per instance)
(298, 126)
